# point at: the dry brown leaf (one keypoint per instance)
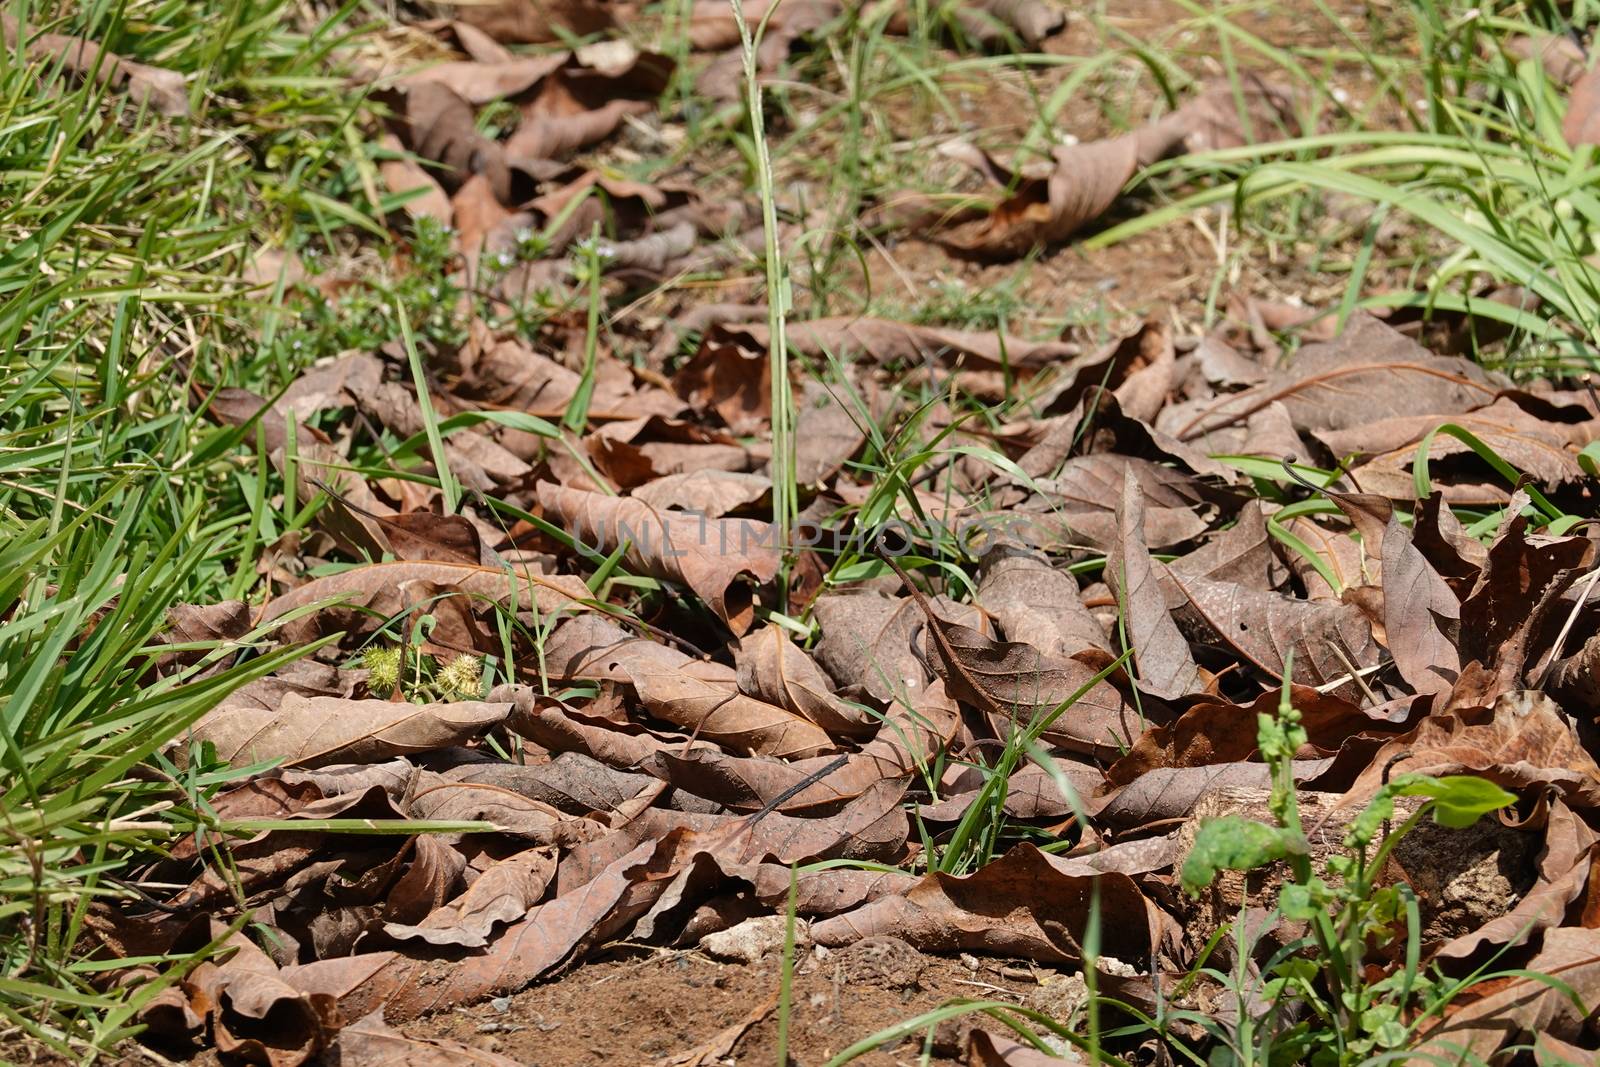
(993, 1050)
(720, 713)
(438, 124)
(1421, 616)
(1033, 601)
(371, 1042)
(827, 434)
(1264, 627)
(162, 90)
(501, 894)
(1524, 742)
(1503, 1011)
(404, 988)
(710, 493)
(383, 586)
(1581, 124)
(1369, 372)
(1087, 178)
(259, 1017)
(1016, 685)
(885, 341)
(1564, 866)
(402, 174)
(700, 697)
(478, 82)
(867, 641)
(1517, 591)
(773, 669)
(572, 782)
(1021, 905)
(312, 731)
(1083, 500)
(707, 556)
(1168, 794)
(537, 21)
(1166, 668)
(907, 742)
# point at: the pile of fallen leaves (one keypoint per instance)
(661, 762)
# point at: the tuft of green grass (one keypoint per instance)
(124, 238)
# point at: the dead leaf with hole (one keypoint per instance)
(1523, 742)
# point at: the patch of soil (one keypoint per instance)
(640, 1010)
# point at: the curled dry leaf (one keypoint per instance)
(1087, 178)
(772, 669)
(703, 698)
(707, 556)
(1524, 742)
(501, 894)
(908, 740)
(1529, 1002)
(1021, 905)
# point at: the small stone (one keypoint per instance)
(753, 938)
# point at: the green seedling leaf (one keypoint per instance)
(1234, 843)
(1459, 799)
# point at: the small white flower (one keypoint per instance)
(506, 259)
